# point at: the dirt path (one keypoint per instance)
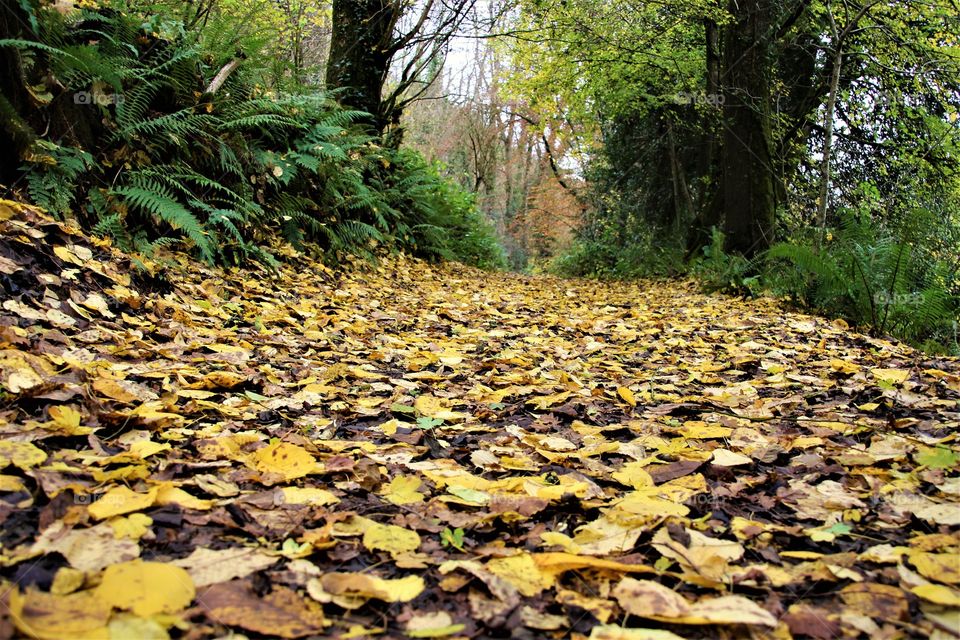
(439, 452)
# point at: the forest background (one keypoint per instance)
(802, 148)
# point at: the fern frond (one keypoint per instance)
(160, 203)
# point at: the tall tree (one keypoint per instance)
(747, 181)
(371, 36)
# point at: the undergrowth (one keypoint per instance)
(221, 173)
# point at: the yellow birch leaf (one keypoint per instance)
(146, 588)
(78, 616)
(522, 572)
(67, 420)
(120, 500)
(942, 567)
(390, 538)
(890, 376)
(145, 448)
(11, 483)
(283, 459)
(938, 594)
(308, 495)
(616, 632)
(134, 526)
(633, 475)
(168, 494)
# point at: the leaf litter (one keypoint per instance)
(411, 450)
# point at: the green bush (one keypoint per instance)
(877, 277)
(604, 257)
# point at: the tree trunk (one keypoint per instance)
(360, 55)
(828, 144)
(708, 210)
(748, 179)
(16, 135)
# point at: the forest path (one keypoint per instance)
(437, 451)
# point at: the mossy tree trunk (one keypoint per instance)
(16, 135)
(748, 175)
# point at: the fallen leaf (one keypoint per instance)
(368, 586)
(281, 613)
(146, 588)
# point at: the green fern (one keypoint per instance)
(157, 201)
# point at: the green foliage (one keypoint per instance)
(442, 220)
(53, 173)
(226, 172)
(721, 271)
(603, 255)
(875, 278)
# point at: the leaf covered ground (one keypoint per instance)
(422, 451)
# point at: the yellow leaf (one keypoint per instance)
(134, 526)
(649, 599)
(633, 475)
(392, 539)
(390, 426)
(308, 495)
(90, 549)
(168, 494)
(367, 586)
(124, 626)
(938, 594)
(434, 407)
(220, 380)
(145, 448)
(78, 616)
(118, 390)
(120, 500)
(403, 490)
(22, 455)
(557, 539)
(522, 572)
(700, 430)
(20, 371)
(288, 461)
(615, 632)
(67, 420)
(438, 624)
(727, 458)
(65, 254)
(842, 366)
(66, 580)
(890, 376)
(942, 567)
(627, 396)
(11, 483)
(146, 588)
